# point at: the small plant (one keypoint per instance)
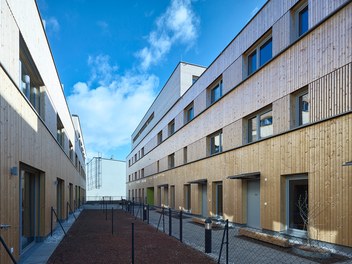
(309, 215)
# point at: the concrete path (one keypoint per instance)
(40, 252)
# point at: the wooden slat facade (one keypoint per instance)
(318, 62)
(28, 140)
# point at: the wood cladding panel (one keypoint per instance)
(25, 140)
(314, 56)
(318, 150)
(332, 94)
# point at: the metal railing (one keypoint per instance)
(5, 246)
(53, 212)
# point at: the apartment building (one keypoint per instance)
(42, 153)
(106, 179)
(266, 125)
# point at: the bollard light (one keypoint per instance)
(207, 237)
(208, 223)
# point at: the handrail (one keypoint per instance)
(5, 246)
(57, 219)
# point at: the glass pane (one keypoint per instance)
(266, 52)
(190, 114)
(303, 109)
(216, 93)
(303, 21)
(215, 144)
(298, 191)
(252, 62)
(219, 199)
(266, 124)
(252, 129)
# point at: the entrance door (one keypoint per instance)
(172, 196)
(253, 204)
(204, 200)
(297, 194)
(30, 207)
(60, 198)
(150, 195)
(218, 199)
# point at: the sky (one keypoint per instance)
(114, 56)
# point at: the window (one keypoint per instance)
(187, 196)
(184, 155)
(216, 92)
(215, 142)
(259, 55)
(260, 126)
(300, 107)
(144, 127)
(142, 173)
(60, 136)
(218, 199)
(194, 78)
(171, 127)
(135, 157)
(296, 202)
(30, 79)
(70, 150)
(303, 21)
(142, 152)
(171, 160)
(189, 112)
(299, 20)
(129, 162)
(160, 137)
(303, 109)
(157, 166)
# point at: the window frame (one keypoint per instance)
(296, 116)
(212, 98)
(256, 50)
(257, 119)
(171, 161)
(187, 117)
(296, 20)
(159, 137)
(288, 180)
(211, 139)
(171, 127)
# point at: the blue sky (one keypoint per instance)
(114, 56)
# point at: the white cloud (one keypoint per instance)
(51, 25)
(179, 24)
(111, 106)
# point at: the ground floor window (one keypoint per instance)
(187, 197)
(218, 199)
(296, 202)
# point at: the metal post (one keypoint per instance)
(7, 250)
(148, 214)
(227, 241)
(163, 220)
(51, 222)
(181, 226)
(207, 235)
(132, 243)
(106, 211)
(170, 223)
(112, 220)
(133, 206)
